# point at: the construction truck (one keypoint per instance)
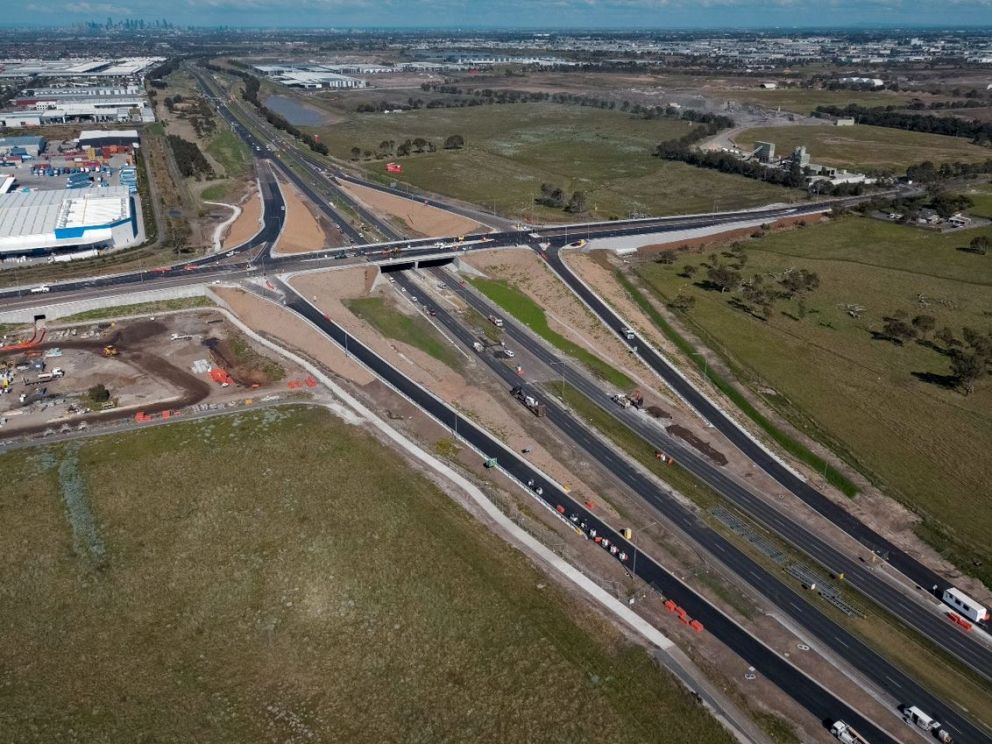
(637, 399)
(847, 734)
(621, 400)
(110, 350)
(533, 404)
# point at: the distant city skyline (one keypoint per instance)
(553, 14)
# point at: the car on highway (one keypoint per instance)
(42, 288)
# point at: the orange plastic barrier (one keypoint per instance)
(696, 626)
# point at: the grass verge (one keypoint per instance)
(140, 308)
(289, 575)
(413, 330)
(790, 445)
(532, 315)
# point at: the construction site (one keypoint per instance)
(71, 377)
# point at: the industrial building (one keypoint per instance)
(311, 77)
(94, 67)
(38, 222)
(30, 146)
(105, 137)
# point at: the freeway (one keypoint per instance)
(846, 645)
(214, 267)
(857, 574)
(817, 700)
(972, 653)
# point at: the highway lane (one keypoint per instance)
(975, 654)
(844, 644)
(859, 575)
(808, 693)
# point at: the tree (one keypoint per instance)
(403, 149)
(454, 142)
(979, 245)
(723, 277)
(683, 303)
(967, 370)
(689, 271)
(577, 203)
(98, 393)
(419, 144)
(924, 324)
(898, 330)
(356, 153)
(946, 336)
(797, 282)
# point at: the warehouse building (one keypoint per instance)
(96, 138)
(38, 222)
(32, 146)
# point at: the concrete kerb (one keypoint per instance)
(744, 430)
(621, 611)
(235, 209)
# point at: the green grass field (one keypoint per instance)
(281, 576)
(228, 149)
(512, 149)
(860, 146)
(410, 329)
(532, 315)
(804, 101)
(923, 443)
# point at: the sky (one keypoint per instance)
(647, 14)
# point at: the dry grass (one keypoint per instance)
(280, 576)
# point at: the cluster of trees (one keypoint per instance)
(755, 295)
(970, 356)
(555, 197)
(390, 148)
(195, 110)
(942, 202)
(927, 172)
(189, 158)
(886, 116)
(725, 162)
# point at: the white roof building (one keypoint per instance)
(47, 220)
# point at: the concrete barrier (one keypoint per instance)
(61, 310)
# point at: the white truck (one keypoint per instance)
(627, 333)
(496, 321)
(846, 734)
(921, 720)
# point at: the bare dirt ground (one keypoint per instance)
(288, 330)
(723, 238)
(424, 220)
(302, 233)
(247, 224)
(153, 371)
(330, 288)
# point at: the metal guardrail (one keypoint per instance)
(809, 577)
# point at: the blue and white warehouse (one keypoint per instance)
(42, 221)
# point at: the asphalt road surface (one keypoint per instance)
(808, 693)
(844, 644)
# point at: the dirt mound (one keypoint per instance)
(691, 439)
(658, 412)
(227, 359)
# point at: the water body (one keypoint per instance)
(296, 113)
